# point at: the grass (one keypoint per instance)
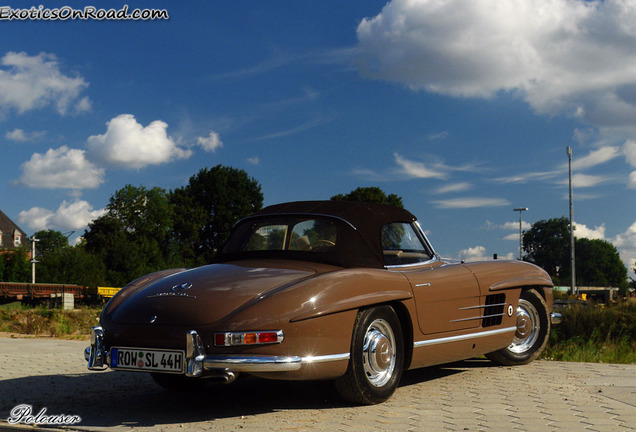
(595, 333)
(43, 321)
(588, 333)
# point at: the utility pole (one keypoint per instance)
(520, 210)
(33, 260)
(573, 289)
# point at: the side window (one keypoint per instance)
(401, 245)
(268, 237)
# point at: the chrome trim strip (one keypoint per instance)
(463, 337)
(326, 358)
(483, 306)
(401, 266)
(423, 234)
(478, 318)
(254, 363)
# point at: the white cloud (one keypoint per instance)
(527, 177)
(32, 82)
(454, 187)
(253, 160)
(585, 180)
(36, 218)
(473, 254)
(596, 233)
(631, 181)
(560, 55)
(478, 253)
(472, 202)
(129, 144)
(20, 135)
(626, 245)
(417, 169)
(596, 157)
(629, 150)
(515, 225)
(61, 168)
(438, 136)
(210, 143)
(69, 216)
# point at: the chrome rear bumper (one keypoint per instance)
(555, 318)
(196, 361)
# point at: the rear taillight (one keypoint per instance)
(248, 338)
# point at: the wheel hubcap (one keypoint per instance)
(378, 353)
(527, 327)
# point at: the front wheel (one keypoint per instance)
(533, 330)
(377, 357)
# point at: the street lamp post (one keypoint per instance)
(33, 260)
(572, 262)
(520, 210)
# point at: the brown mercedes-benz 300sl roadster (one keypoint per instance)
(347, 291)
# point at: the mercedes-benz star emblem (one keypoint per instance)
(181, 287)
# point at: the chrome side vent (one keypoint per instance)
(494, 310)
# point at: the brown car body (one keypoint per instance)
(355, 307)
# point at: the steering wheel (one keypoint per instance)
(321, 243)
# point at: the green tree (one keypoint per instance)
(208, 207)
(71, 265)
(15, 266)
(134, 237)
(370, 194)
(547, 244)
(50, 241)
(598, 263)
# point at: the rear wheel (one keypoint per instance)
(377, 357)
(533, 330)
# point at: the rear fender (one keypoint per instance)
(348, 290)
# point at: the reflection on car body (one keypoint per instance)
(348, 291)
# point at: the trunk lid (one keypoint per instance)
(206, 294)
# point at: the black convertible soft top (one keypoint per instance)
(361, 222)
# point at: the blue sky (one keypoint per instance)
(464, 109)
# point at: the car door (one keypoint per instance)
(446, 295)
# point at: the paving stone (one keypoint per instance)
(472, 395)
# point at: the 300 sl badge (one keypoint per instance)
(175, 291)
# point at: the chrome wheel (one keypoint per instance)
(531, 333)
(377, 357)
(378, 353)
(528, 325)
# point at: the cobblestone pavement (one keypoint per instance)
(473, 395)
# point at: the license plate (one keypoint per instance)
(146, 359)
